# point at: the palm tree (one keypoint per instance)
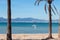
(50, 14)
(9, 36)
(59, 28)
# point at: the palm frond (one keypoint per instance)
(52, 0)
(45, 8)
(53, 11)
(55, 8)
(37, 2)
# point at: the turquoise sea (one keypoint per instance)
(19, 28)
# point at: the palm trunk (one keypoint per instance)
(59, 28)
(9, 36)
(59, 32)
(50, 22)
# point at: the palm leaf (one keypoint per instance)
(38, 1)
(53, 11)
(55, 8)
(45, 8)
(35, 2)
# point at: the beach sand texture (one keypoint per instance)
(28, 36)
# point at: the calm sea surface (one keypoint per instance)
(30, 28)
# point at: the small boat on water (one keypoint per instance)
(34, 26)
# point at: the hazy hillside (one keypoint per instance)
(25, 20)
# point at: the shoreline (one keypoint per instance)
(28, 36)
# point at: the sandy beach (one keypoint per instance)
(28, 36)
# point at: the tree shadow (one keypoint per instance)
(48, 38)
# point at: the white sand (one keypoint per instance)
(28, 36)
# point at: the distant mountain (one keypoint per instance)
(2, 19)
(25, 20)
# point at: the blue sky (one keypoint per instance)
(26, 8)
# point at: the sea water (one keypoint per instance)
(27, 28)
